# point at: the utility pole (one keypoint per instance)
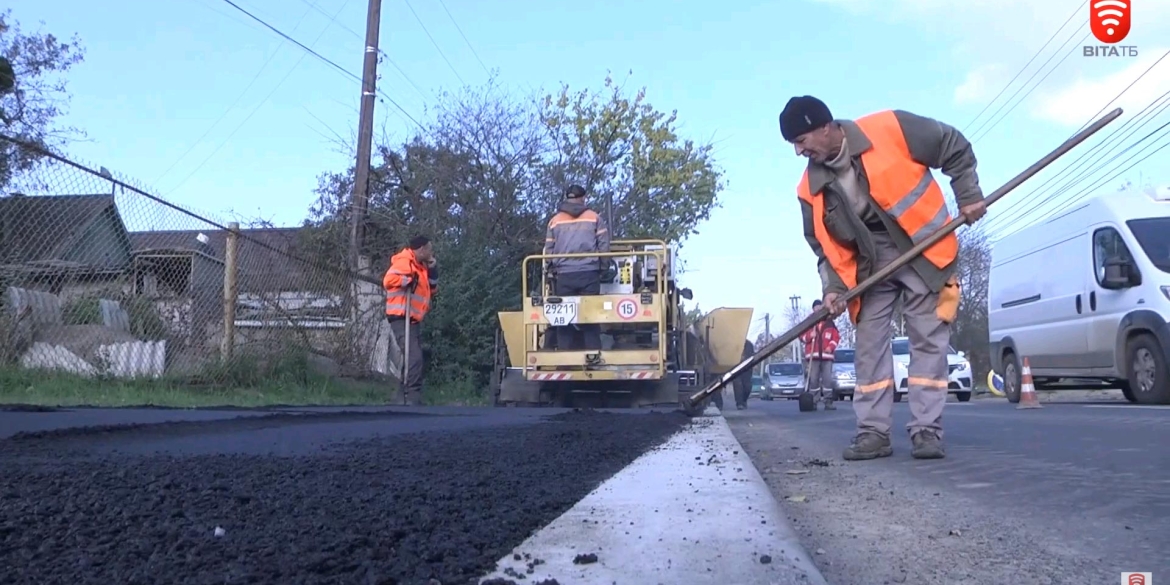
(361, 181)
(795, 315)
(768, 332)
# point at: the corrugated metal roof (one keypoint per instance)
(42, 229)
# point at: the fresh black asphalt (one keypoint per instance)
(298, 497)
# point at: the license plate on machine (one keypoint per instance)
(562, 313)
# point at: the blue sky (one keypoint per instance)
(158, 75)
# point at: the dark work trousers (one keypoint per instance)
(743, 388)
(412, 384)
(582, 336)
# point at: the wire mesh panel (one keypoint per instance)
(102, 280)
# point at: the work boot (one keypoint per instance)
(406, 399)
(927, 445)
(829, 405)
(740, 406)
(868, 445)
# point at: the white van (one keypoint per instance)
(1086, 294)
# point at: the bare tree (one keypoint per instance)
(33, 93)
(847, 330)
(969, 331)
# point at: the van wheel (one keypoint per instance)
(897, 396)
(1149, 380)
(1011, 377)
(963, 396)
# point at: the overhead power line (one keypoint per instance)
(1029, 92)
(1161, 131)
(465, 39)
(255, 109)
(381, 53)
(435, 43)
(1136, 123)
(1122, 92)
(1092, 189)
(327, 61)
(233, 105)
(1084, 175)
(1077, 10)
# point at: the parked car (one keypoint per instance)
(783, 380)
(757, 386)
(958, 367)
(844, 371)
(1086, 295)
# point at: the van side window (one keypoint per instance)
(1107, 243)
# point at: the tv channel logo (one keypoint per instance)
(1110, 22)
(1137, 579)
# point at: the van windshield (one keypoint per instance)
(1153, 235)
(785, 369)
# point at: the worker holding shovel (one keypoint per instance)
(408, 299)
(867, 197)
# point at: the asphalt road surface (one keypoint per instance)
(296, 497)
(1071, 493)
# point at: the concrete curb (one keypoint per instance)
(694, 510)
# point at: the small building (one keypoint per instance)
(69, 245)
(278, 293)
(184, 280)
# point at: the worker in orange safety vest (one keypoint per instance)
(867, 196)
(408, 299)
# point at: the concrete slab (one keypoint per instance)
(694, 510)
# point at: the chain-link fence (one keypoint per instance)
(100, 279)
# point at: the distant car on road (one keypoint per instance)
(757, 386)
(844, 371)
(783, 380)
(958, 367)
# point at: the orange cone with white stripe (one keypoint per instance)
(1028, 397)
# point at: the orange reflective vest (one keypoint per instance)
(903, 188)
(405, 269)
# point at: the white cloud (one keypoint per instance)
(1076, 101)
(980, 85)
(1002, 35)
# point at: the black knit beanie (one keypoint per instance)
(803, 114)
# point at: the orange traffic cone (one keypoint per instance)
(1028, 397)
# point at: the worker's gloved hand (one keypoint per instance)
(948, 301)
(832, 303)
(974, 212)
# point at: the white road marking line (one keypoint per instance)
(1143, 406)
(974, 486)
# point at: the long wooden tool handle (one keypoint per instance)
(823, 313)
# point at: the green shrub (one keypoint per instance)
(84, 311)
